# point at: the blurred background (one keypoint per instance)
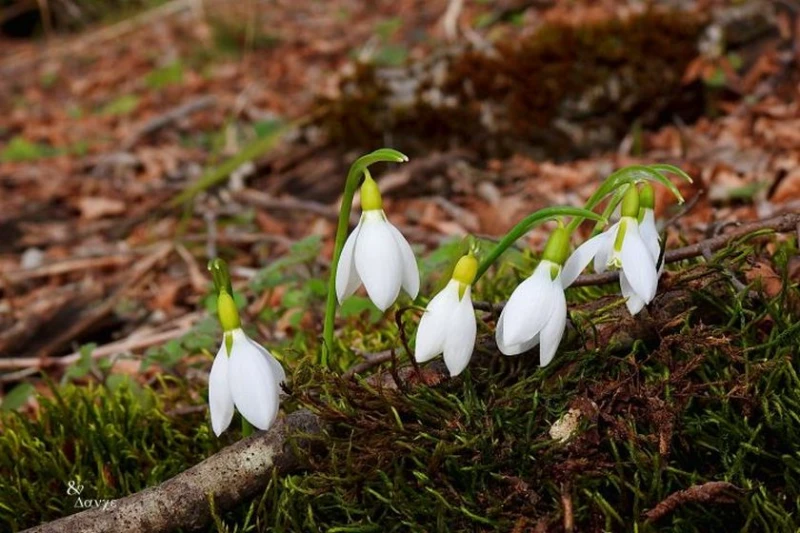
(138, 139)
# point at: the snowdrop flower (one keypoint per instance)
(536, 312)
(244, 375)
(377, 255)
(622, 246)
(448, 325)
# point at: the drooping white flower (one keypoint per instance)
(249, 379)
(448, 326)
(536, 312)
(244, 375)
(622, 246)
(377, 255)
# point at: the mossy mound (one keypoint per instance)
(710, 396)
(707, 391)
(563, 90)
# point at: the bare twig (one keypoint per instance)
(136, 342)
(69, 265)
(371, 360)
(95, 38)
(165, 119)
(198, 280)
(566, 502)
(450, 19)
(713, 491)
(288, 203)
(230, 476)
(95, 314)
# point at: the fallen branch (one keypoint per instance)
(711, 492)
(288, 203)
(68, 266)
(371, 360)
(128, 344)
(165, 119)
(95, 314)
(230, 476)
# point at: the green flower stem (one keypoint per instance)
(247, 428)
(619, 194)
(358, 168)
(525, 225)
(628, 175)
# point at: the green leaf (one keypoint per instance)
(83, 365)
(20, 149)
(388, 27)
(211, 177)
(171, 74)
(17, 397)
(118, 383)
(391, 55)
(355, 305)
(123, 105)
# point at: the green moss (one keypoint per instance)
(113, 442)
(707, 393)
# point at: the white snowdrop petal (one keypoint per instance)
(347, 280)
(277, 369)
(253, 385)
(649, 234)
(605, 250)
(220, 401)
(514, 349)
(434, 323)
(460, 340)
(378, 262)
(580, 258)
(554, 329)
(632, 300)
(637, 264)
(410, 269)
(529, 306)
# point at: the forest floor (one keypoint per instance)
(131, 154)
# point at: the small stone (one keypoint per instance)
(566, 426)
(31, 258)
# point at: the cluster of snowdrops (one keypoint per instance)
(245, 376)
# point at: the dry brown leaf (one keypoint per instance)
(95, 207)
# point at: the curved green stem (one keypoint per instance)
(612, 204)
(354, 175)
(525, 225)
(628, 175)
